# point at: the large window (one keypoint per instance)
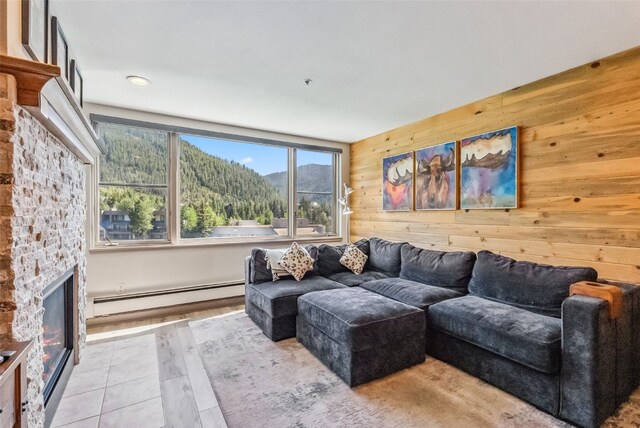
(133, 183)
(315, 193)
(229, 186)
(232, 189)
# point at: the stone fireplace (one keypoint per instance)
(42, 242)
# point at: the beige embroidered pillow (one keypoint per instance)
(354, 259)
(297, 261)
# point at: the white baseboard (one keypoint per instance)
(101, 306)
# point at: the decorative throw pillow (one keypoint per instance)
(297, 261)
(273, 258)
(354, 259)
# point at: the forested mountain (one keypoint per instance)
(222, 182)
(133, 155)
(214, 191)
(311, 178)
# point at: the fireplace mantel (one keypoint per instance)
(47, 96)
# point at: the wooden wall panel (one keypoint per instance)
(580, 173)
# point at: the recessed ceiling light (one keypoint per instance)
(138, 80)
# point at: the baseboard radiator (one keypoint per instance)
(130, 302)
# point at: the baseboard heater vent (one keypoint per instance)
(120, 303)
(129, 296)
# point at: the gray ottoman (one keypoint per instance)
(360, 335)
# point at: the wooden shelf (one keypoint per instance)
(30, 77)
(47, 96)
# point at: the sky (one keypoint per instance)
(262, 159)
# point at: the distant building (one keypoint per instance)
(159, 222)
(242, 231)
(280, 223)
(116, 225)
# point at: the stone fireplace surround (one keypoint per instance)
(42, 232)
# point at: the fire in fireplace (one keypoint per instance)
(57, 331)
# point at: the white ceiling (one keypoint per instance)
(374, 65)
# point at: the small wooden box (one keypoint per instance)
(611, 293)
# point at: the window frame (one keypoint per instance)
(172, 222)
(168, 197)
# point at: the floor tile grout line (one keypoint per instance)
(195, 403)
(164, 413)
(79, 420)
(130, 405)
(217, 404)
(105, 389)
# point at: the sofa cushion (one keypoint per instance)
(280, 298)
(438, 268)
(296, 261)
(329, 257)
(351, 279)
(412, 293)
(535, 287)
(354, 259)
(359, 319)
(525, 337)
(258, 264)
(384, 256)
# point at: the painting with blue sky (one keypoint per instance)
(489, 170)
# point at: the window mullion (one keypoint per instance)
(173, 194)
(293, 193)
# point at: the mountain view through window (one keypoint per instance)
(227, 188)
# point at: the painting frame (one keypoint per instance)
(398, 196)
(490, 170)
(35, 28)
(76, 81)
(59, 48)
(445, 195)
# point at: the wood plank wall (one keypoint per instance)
(580, 173)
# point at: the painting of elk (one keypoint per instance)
(397, 182)
(436, 177)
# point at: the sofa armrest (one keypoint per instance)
(247, 270)
(588, 377)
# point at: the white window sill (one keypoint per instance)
(196, 243)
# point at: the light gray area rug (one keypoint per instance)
(260, 383)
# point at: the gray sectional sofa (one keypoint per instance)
(507, 322)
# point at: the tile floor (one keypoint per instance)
(145, 374)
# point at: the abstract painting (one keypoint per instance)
(489, 170)
(397, 182)
(436, 180)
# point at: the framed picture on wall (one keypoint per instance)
(59, 48)
(397, 182)
(437, 177)
(489, 170)
(34, 28)
(76, 81)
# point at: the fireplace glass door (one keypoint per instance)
(57, 331)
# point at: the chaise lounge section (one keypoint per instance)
(510, 323)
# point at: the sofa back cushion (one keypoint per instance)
(438, 268)
(329, 257)
(258, 263)
(535, 287)
(384, 256)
